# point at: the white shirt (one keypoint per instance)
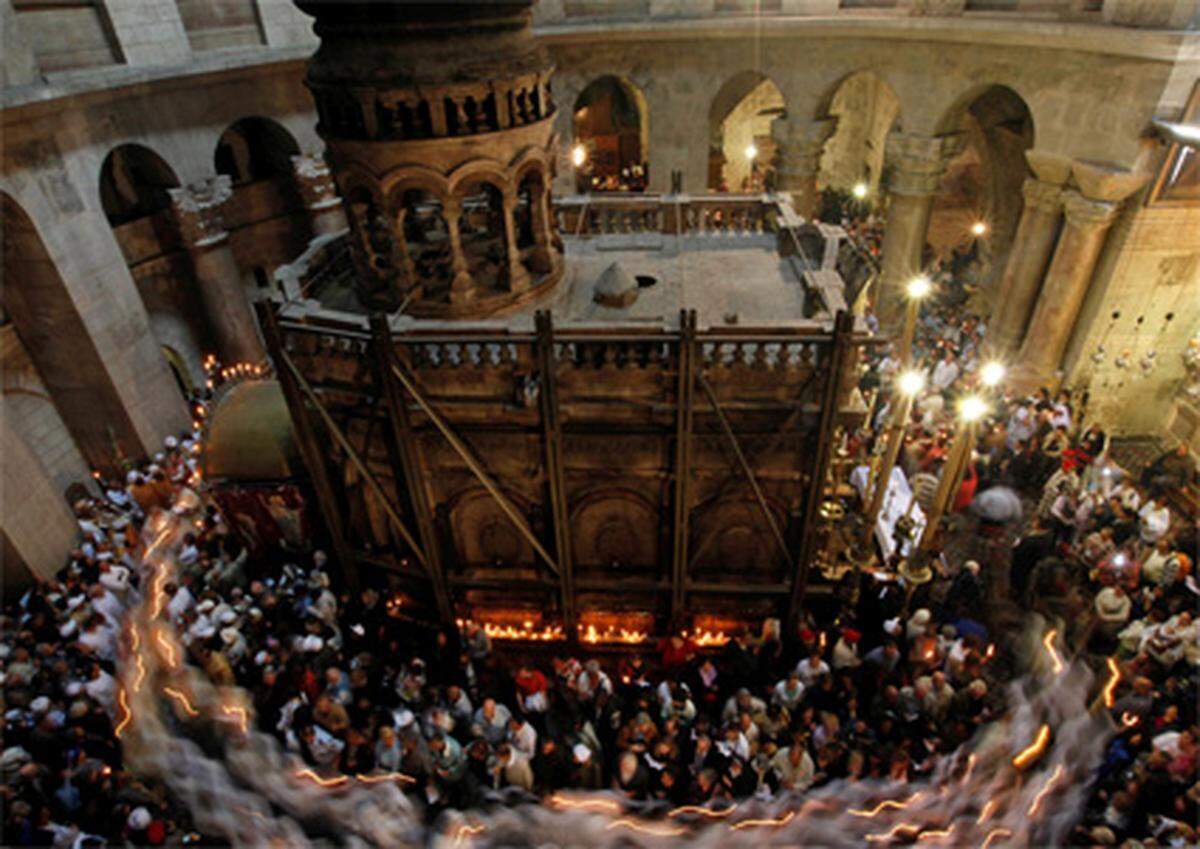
(1154, 522)
(180, 603)
(809, 673)
(944, 373)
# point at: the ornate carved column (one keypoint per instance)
(800, 145)
(517, 273)
(319, 192)
(917, 164)
(1066, 284)
(1027, 259)
(462, 287)
(197, 210)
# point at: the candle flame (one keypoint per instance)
(1029, 754)
(1129, 719)
(702, 811)
(597, 804)
(387, 776)
(883, 806)
(993, 834)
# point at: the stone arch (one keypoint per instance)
(253, 149)
(741, 147)
(134, 184)
(481, 532)
(742, 544)
(478, 170)
(51, 329)
(614, 527)
(867, 109)
(483, 227)
(611, 122)
(982, 184)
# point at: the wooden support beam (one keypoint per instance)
(552, 437)
(368, 477)
(476, 467)
(747, 471)
(403, 452)
(311, 449)
(839, 355)
(686, 372)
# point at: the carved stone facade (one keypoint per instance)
(439, 131)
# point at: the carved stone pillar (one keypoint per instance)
(319, 193)
(462, 286)
(197, 210)
(1066, 284)
(917, 164)
(800, 145)
(518, 275)
(1031, 249)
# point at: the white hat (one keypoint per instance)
(312, 643)
(581, 753)
(139, 819)
(262, 657)
(255, 613)
(40, 705)
(230, 635)
(1112, 605)
(68, 629)
(74, 688)
(132, 478)
(74, 602)
(403, 717)
(892, 626)
(159, 457)
(203, 629)
(171, 442)
(205, 606)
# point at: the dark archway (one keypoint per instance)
(610, 126)
(741, 146)
(254, 149)
(134, 184)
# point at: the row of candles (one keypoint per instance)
(531, 631)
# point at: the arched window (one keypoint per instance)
(610, 136)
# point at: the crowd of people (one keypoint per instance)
(903, 669)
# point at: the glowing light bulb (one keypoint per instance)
(860, 190)
(972, 409)
(919, 287)
(979, 228)
(578, 155)
(992, 373)
(911, 382)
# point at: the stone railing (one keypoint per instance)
(690, 215)
(1161, 14)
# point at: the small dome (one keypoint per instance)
(615, 287)
(250, 436)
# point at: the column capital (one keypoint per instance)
(315, 181)
(1085, 213)
(918, 161)
(801, 143)
(1042, 196)
(198, 210)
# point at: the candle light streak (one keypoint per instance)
(168, 650)
(387, 776)
(1046, 788)
(986, 812)
(1031, 753)
(123, 701)
(182, 700)
(239, 715)
(605, 805)
(336, 781)
(1048, 642)
(886, 804)
(685, 810)
(646, 828)
(1110, 686)
(1129, 719)
(764, 823)
(993, 834)
(890, 835)
(465, 832)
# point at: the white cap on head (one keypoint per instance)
(171, 442)
(132, 478)
(581, 753)
(139, 818)
(40, 705)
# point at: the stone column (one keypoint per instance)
(317, 189)
(518, 275)
(1027, 259)
(1065, 286)
(917, 164)
(801, 144)
(197, 210)
(462, 286)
